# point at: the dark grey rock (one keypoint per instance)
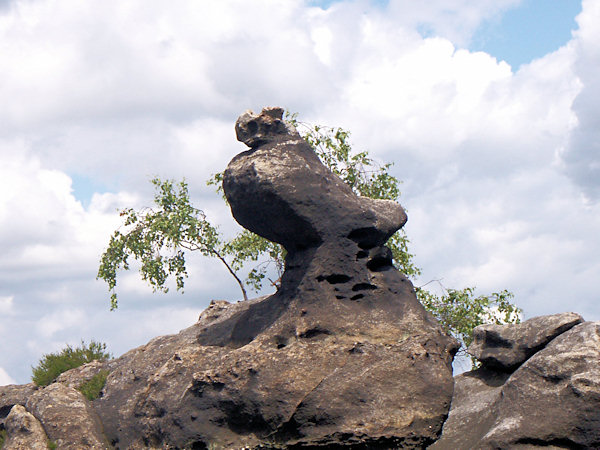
(552, 400)
(508, 346)
(24, 431)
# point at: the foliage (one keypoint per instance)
(459, 311)
(2, 436)
(91, 388)
(53, 364)
(52, 445)
(158, 238)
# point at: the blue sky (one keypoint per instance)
(527, 31)
(500, 163)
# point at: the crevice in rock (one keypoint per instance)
(366, 238)
(313, 332)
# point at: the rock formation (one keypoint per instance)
(549, 397)
(341, 356)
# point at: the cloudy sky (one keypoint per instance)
(489, 110)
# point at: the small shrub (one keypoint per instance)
(2, 436)
(92, 387)
(52, 445)
(53, 364)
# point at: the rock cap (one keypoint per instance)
(257, 129)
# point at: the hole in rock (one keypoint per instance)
(334, 278)
(313, 332)
(4, 410)
(362, 254)
(357, 297)
(365, 237)
(363, 287)
(280, 341)
(252, 126)
(340, 297)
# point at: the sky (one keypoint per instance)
(489, 110)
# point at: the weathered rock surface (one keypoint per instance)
(24, 431)
(508, 346)
(68, 418)
(281, 191)
(552, 400)
(14, 394)
(343, 355)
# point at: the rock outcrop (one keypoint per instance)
(550, 399)
(341, 356)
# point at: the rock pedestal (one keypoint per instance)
(343, 355)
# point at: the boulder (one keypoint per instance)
(506, 347)
(552, 400)
(342, 355)
(24, 431)
(14, 394)
(68, 418)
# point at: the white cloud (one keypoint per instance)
(117, 92)
(5, 378)
(581, 157)
(6, 304)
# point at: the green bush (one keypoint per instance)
(92, 387)
(53, 364)
(2, 437)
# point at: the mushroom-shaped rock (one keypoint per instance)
(280, 190)
(341, 356)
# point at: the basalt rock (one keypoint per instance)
(551, 400)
